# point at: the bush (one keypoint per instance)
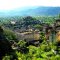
(10, 35)
(6, 58)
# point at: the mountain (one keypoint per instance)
(33, 11)
(47, 11)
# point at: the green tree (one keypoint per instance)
(5, 46)
(28, 21)
(37, 26)
(10, 35)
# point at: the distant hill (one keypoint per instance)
(33, 11)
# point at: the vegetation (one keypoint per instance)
(42, 52)
(10, 35)
(11, 48)
(24, 21)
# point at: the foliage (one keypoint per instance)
(5, 46)
(10, 35)
(21, 43)
(26, 21)
(37, 26)
(6, 58)
(38, 53)
(43, 52)
(42, 37)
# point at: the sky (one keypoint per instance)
(13, 4)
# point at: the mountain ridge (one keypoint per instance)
(33, 11)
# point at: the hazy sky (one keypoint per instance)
(12, 4)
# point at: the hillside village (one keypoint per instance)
(33, 33)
